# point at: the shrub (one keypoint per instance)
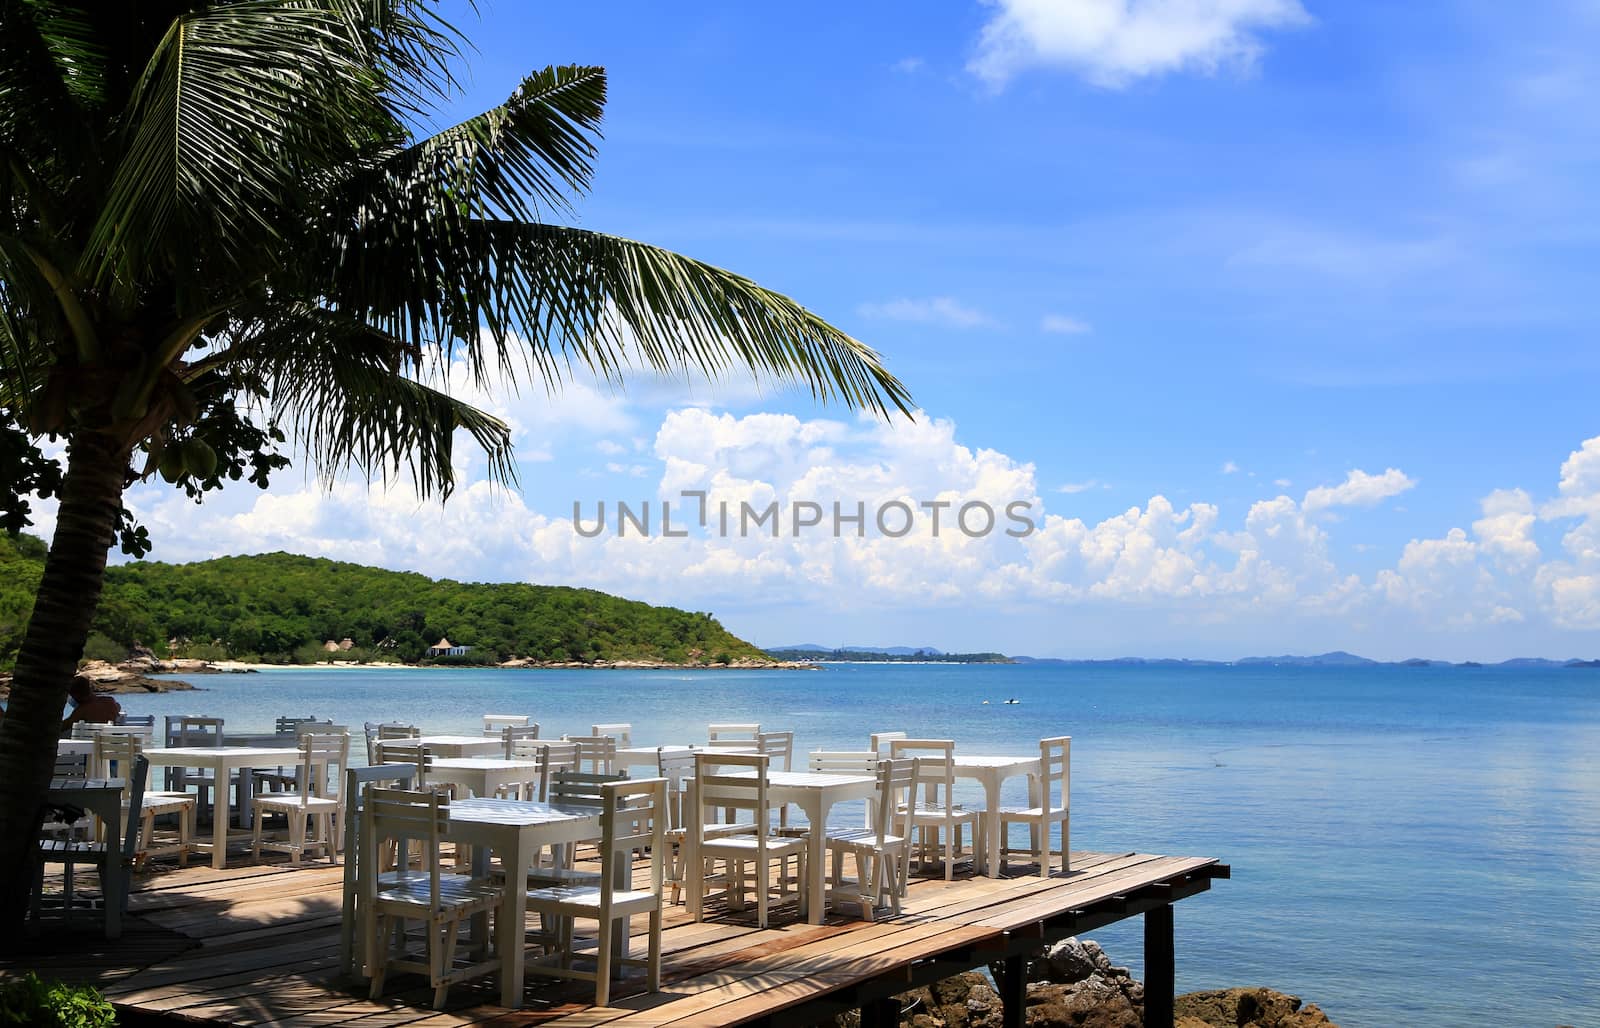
(102, 647)
(31, 1000)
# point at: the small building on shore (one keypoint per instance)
(445, 648)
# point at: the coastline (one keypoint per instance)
(217, 667)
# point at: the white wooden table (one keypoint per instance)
(992, 772)
(481, 776)
(515, 829)
(814, 794)
(65, 747)
(101, 797)
(645, 756)
(222, 761)
(457, 745)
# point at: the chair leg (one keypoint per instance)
(442, 958)
(378, 953)
(255, 850)
(602, 966)
(653, 959)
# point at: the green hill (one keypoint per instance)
(281, 608)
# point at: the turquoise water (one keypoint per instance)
(1411, 846)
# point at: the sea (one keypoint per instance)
(1409, 845)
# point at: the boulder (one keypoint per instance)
(1246, 1008)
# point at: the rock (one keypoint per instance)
(1064, 963)
(1075, 985)
(1246, 1008)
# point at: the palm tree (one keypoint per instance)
(222, 237)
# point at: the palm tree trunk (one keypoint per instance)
(69, 592)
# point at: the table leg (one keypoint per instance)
(219, 816)
(991, 798)
(513, 914)
(816, 857)
(694, 882)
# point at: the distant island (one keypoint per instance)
(280, 608)
(882, 655)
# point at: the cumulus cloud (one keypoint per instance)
(1359, 489)
(1114, 42)
(936, 310)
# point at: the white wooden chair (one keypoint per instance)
(1055, 763)
(718, 784)
(112, 859)
(442, 902)
(618, 730)
(511, 735)
(318, 800)
(882, 853)
(597, 754)
(880, 742)
(113, 755)
(406, 751)
(552, 758)
(494, 724)
(352, 961)
(56, 825)
(633, 816)
(201, 731)
(849, 762)
(738, 735)
(938, 815)
(284, 778)
(380, 731)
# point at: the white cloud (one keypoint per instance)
(1282, 483)
(1072, 488)
(1229, 468)
(610, 447)
(1114, 42)
(936, 310)
(1061, 324)
(1359, 489)
(908, 65)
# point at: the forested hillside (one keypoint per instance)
(279, 607)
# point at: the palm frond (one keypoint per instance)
(345, 392)
(576, 297)
(539, 144)
(50, 69)
(240, 110)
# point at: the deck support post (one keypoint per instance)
(1160, 967)
(883, 1012)
(1014, 992)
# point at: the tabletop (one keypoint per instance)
(267, 756)
(450, 740)
(481, 764)
(518, 813)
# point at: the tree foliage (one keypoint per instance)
(281, 608)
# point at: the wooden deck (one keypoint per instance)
(257, 945)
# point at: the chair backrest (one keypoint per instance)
(882, 741)
(633, 815)
(780, 747)
(134, 782)
(114, 755)
(897, 798)
(137, 720)
(71, 765)
(580, 788)
(404, 751)
(511, 735)
(1055, 766)
(286, 725)
(845, 762)
(357, 780)
(494, 723)
(675, 765)
(618, 730)
(323, 759)
(733, 782)
(731, 733)
(554, 757)
(596, 753)
(198, 731)
(936, 770)
(404, 815)
(397, 730)
(90, 729)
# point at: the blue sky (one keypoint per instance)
(1203, 255)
